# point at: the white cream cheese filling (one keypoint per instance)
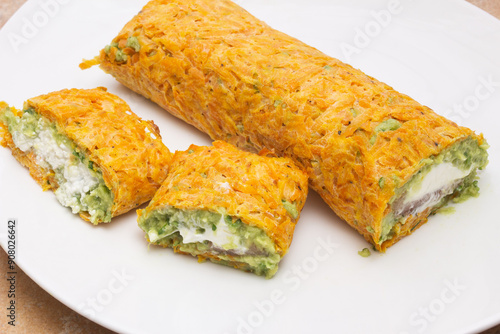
(440, 177)
(193, 230)
(78, 179)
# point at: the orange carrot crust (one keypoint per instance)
(215, 66)
(245, 185)
(128, 150)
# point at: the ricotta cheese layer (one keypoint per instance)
(195, 228)
(439, 182)
(75, 179)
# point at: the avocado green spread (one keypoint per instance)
(120, 56)
(198, 232)
(456, 164)
(79, 181)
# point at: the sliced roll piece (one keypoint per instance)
(99, 158)
(229, 206)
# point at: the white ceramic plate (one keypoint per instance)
(442, 279)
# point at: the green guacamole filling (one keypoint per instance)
(466, 155)
(133, 42)
(84, 192)
(120, 56)
(198, 232)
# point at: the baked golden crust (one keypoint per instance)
(212, 64)
(248, 186)
(128, 151)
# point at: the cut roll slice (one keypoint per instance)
(80, 185)
(448, 176)
(231, 207)
(218, 236)
(89, 148)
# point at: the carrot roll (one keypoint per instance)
(382, 161)
(229, 206)
(100, 159)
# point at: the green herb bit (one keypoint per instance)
(79, 155)
(291, 208)
(415, 226)
(365, 252)
(381, 182)
(162, 229)
(120, 56)
(388, 125)
(133, 42)
(108, 47)
(447, 210)
(237, 223)
(30, 111)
